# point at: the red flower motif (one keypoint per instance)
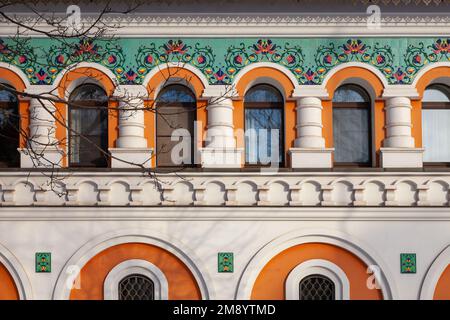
(441, 46)
(149, 59)
(417, 58)
(238, 59)
(60, 59)
(201, 59)
(380, 59)
(264, 47)
(22, 59)
(175, 47)
(354, 47)
(112, 59)
(290, 59)
(328, 59)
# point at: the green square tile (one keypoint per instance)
(225, 260)
(43, 262)
(408, 262)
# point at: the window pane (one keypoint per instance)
(436, 93)
(9, 129)
(263, 93)
(136, 287)
(89, 123)
(176, 114)
(316, 287)
(436, 135)
(263, 132)
(351, 135)
(350, 93)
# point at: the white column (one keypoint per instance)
(309, 148)
(309, 123)
(220, 146)
(398, 123)
(42, 150)
(131, 146)
(398, 148)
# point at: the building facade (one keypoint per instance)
(348, 200)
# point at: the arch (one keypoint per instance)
(312, 239)
(14, 281)
(160, 76)
(321, 267)
(437, 278)
(265, 72)
(280, 78)
(14, 76)
(372, 80)
(170, 73)
(121, 245)
(136, 266)
(429, 73)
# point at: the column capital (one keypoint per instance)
(405, 91)
(315, 91)
(132, 91)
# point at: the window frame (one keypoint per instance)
(436, 105)
(357, 105)
(8, 105)
(86, 105)
(267, 105)
(132, 267)
(185, 106)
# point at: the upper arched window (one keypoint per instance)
(436, 124)
(9, 128)
(316, 287)
(175, 117)
(136, 287)
(352, 126)
(88, 127)
(264, 126)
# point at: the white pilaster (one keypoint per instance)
(131, 147)
(399, 150)
(309, 148)
(42, 149)
(220, 150)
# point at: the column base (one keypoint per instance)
(131, 157)
(401, 157)
(46, 158)
(311, 157)
(221, 158)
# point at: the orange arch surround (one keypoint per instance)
(8, 288)
(14, 80)
(290, 114)
(270, 283)
(61, 108)
(441, 292)
(161, 78)
(181, 281)
(378, 112)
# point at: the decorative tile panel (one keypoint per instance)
(225, 262)
(43, 262)
(408, 263)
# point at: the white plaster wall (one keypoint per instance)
(206, 231)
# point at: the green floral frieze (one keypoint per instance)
(221, 59)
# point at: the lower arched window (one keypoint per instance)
(9, 129)
(316, 287)
(136, 287)
(88, 127)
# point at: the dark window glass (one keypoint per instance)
(436, 125)
(175, 117)
(264, 127)
(88, 131)
(316, 287)
(9, 129)
(136, 287)
(352, 126)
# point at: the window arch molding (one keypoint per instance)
(135, 266)
(320, 267)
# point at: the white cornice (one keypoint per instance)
(241, 25)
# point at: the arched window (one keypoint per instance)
(352, 126)
(136, 287)
(436, 124)
(316, 287)
(9, 129)
(264, 126)
(175, 117)
(88, 127)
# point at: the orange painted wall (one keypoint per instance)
(270, 283)
(442, 291)
(182, 284)
(8, 289)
